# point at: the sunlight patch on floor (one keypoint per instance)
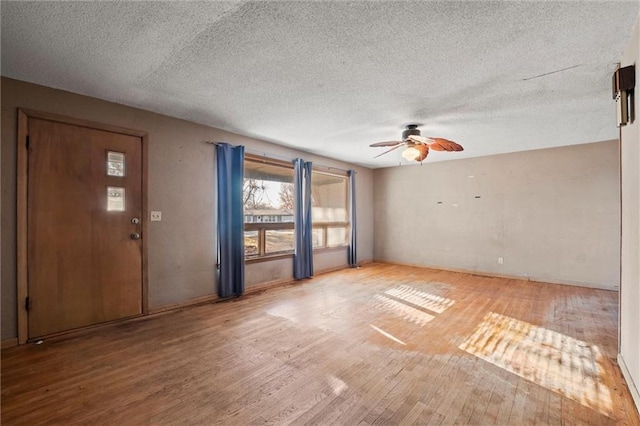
(401, 310)
(301, 312)
(337, 385)
(388, 335)
(560, 363)
(423, 299)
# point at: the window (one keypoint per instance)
(269, 197)
(115, 163)
(115, 199)
(330, 213)
(268, 207)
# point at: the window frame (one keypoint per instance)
(263, 227)
(324, 226)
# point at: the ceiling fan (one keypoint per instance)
(417, 146)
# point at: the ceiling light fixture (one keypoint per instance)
(411, 153)
(417, 146)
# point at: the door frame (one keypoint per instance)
(22, 208)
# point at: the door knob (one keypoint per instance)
(135, 236)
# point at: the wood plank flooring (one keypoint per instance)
(383, 344)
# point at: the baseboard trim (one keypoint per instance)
(256, 288)
(329, 270)
(214, 297)
(288, 281)
(9, 343)
(494, 275)
(190, 302)
(248, 290)
(630, 383)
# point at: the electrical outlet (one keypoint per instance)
(500, 260)
(156, 216)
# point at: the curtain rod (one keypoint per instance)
(277, 156)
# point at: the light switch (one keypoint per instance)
(156, 216)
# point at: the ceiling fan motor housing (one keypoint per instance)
(412, 129)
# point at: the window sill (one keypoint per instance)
(330, 249)
(249, 260)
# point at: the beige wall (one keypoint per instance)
(181, 185)
(629, 358)
(551, 214)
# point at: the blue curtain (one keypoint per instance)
(353, 258)
(303, 248)
(230, 172)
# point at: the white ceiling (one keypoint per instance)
(333, 77)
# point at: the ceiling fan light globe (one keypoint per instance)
(410, 154)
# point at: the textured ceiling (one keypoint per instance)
(333, 77)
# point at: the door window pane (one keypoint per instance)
(115, 199)
(115, 163)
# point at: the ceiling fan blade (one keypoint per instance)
(420, 139)
(440, 144)
(389, 150)
(424, 151)
(389, 143)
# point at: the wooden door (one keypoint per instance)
(83, 248)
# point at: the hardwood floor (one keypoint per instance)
(383, 344)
